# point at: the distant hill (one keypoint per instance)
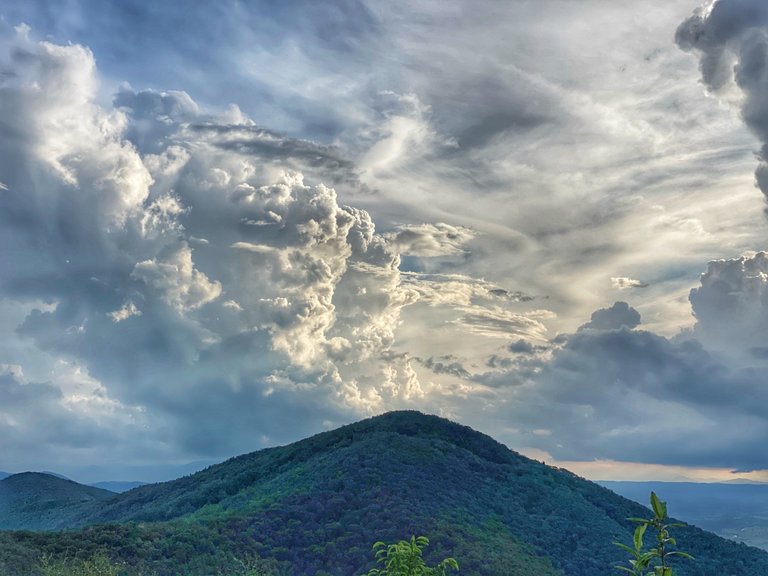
(315, 507)
(4, 475)
(118, 487)
(737, 511)
(55, 474)
(39, 501)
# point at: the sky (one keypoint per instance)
(231, 226)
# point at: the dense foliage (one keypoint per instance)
(315, 507)
(98, 565)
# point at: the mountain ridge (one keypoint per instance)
(118, 486)
(317, 505)
(38, 500)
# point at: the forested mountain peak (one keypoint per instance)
(316, 506)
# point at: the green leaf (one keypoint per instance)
(638, 537)
(626, 548)
(650, 555)
(682, 554)
(659, 507)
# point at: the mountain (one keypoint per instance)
(117, 486)
(737, 511)
(317, 506)
(40, 501)
(4, 475)
(49, 473)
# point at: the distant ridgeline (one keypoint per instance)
(317, 506)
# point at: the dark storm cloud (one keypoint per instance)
(610, 391)
(633, 396)
(731, 39)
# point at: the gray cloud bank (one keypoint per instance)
(615, 391)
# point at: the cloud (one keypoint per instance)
(731, 305)
(129, 309)
(523, 347)
(458, 289)
(620, 315)
(626, 394)
(182, 286)
(448, 364)
(731, 40)
(201, 284)
(316, 160)
(497, 322)
(289, 259)
(624, 283)
(429, 240)
(82, 419)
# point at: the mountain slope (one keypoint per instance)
(41, 501)
(117, 486)
(317, 506)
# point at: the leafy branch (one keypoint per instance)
(405, 559)
(640, 559)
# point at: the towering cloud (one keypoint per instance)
(182, 264)
(731, 305)
(731, 38)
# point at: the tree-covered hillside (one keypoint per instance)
(316, 507)
(40, 501)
